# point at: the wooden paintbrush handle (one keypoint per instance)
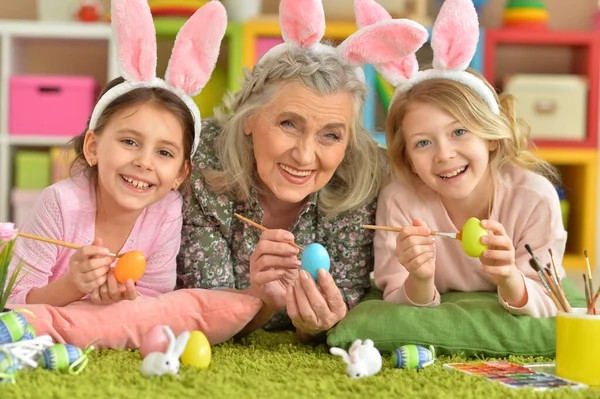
(399, 229)
(263, 228)
(57, 242)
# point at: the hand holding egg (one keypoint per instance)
(315, 257)
(470, 237)
(131, 265)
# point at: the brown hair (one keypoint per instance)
(467, 107)
(165, 98)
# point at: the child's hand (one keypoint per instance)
(499, 259)
(415, 250)
(113, 291)
(89, 265)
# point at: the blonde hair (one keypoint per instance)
(469, 109)
(361, 173)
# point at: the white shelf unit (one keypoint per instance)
(50, 48)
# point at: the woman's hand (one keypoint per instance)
(312, 310)
(415, 250)
(89, 266)
(112, 291)
(273, 267)
(498, 261)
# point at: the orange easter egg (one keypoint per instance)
(131, 265)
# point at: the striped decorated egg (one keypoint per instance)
(29, 333)
(413, 357)
(12, 327)
(59, 357)
(8, 366)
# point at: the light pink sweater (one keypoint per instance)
(66, 211)
(526, 204)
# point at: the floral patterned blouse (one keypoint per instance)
(216, 246)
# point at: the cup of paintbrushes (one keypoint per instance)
(578, 346)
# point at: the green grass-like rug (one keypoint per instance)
(264, 365)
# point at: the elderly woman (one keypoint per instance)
(293, 156)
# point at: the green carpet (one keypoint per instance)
(263, 365)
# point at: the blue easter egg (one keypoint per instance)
(315, 257)
(413, 357)
(59, 357)
(29, 333)
(8, 366)
(12, 327)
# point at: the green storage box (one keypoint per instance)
(32, 170)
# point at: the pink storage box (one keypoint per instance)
(50, 105)
(22, 202)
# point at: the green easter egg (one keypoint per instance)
(472, 232)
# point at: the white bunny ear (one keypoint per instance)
(302, 21)
(171, 336)
(196, 49)
(340, 352)
(180, 344)
(369, 12)
(135, 39)
(389, 45)
(455, 35)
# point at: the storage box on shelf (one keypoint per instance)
(60, 49)
(581, 49)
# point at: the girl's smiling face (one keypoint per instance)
(300, 140)
(444, 154)
(139, 155)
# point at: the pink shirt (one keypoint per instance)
(66, 211)
(525, 203)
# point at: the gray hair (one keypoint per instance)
(363, 170)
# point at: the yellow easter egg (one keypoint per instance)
(197, 352)
(472, 232)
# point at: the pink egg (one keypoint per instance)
(155, 340)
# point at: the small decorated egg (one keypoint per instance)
(197, 352)
(413, 357)
(155, 340)
(64, 358)
(470, 240)
(131, 265)
(8, 366)
(315, 257)
(29, 333)
(12, 327)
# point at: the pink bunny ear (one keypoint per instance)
(196, 49)
(455, 35)
(389, 45)
(369, 12)
(135, 39)
(302, 21)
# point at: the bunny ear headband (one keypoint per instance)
(192, 61)
(454, 40)
(303, 27)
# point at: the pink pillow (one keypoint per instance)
(218, 314)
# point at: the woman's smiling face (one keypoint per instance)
(300, 140)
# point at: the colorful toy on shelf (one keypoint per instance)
(174, 8)
(528, 14)
(413, 357)
(363, 359)
(197, 351)
(89, 11)
(565, 206)
(65, 358)
(159, 363)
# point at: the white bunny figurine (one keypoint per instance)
(363, 359)
(158, 363)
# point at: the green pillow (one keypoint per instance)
(471, 323)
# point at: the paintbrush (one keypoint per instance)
(263, 228)
(58, 242)
(589, 271)
(537, 266)
(456, 236)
